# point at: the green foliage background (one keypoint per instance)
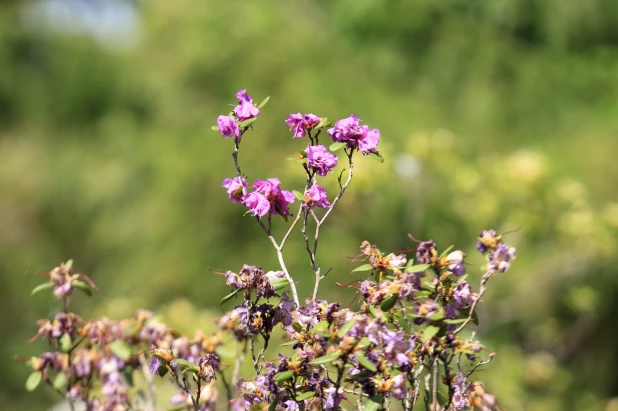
(493, 114)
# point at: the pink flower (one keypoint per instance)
(302, 123)
(245, 108)
(350, 131)
(278, 199)
(320, 159)
(228, 127)
(316, 197)
(258, 204)
(236, 188)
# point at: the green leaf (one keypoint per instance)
(347, 326)
(287, 344)
(377, 157)
(283, 376)
(60, 382)
(326, 359)
(337, 146)
(185, 363)
(297, 326)
(475, 318)
(389, 303)
(298, 195)
(69, 263)
(34, 380)
(279, 283)
(365, 362)
(263, 103)
(215, 128)
(430, 332)
(229, 296)
(120, 349)
(437, 316)
(65, 342)
(458, 321)
(364, 267)
(273, 406)
(163, 370)
(80, 285)
(42, 287)
(373, 404)
(373, 311)
(462, 279)
(247, 123)
(417, 268)
(305, 396)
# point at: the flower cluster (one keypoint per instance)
(356, 136)
(230, 126)
(406, 329)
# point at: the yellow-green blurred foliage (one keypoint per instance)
(498, 114)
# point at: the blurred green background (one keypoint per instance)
(497, 113)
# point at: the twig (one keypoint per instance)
(484, 280)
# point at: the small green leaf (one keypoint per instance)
(185, 363)
(373, 311)
(364, 267)
(283, 376)
(69, 263)
(377, 157)
(475, 318)
(60, 382)
(373, 404)
(462, 279)
(42, 287)
(437, 316)
(120, 349)
(273, 406)
(365, 362)
(305, 396)
(80, 285)
(263, 103)
(430, 332)
(389, 303)
(298, 195)
(337, 146)
(279, 283)
(247, 123)
(458, 321)
(229, 296)
(417, 268)
(303, 153)
(297, 326)
(65, 342)
(34, 380)
(215, 128)
(347, 326)
(326, 359)
(287, 344)
(163, 370)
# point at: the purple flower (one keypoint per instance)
(426, 252)
(228, 127)
(245, 111)
(463, 296)
(488, 240)
(334, 397)
(316, 197)
(278, 199)
(302, 123)
(500, 259)
(455, 263)
(320, 159)
(236, 188)
(258, 204)
(243, 97)
(350, 131)
(245, 108)
(399, 386)
(154, 365)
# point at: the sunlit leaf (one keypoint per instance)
(263, 103)
(305, 396)
(34, 380)
(364, 267)
(326, 359)
(365, 362)
(283, 376)
(120, 349)
(337, 146)
(229, 296)
(42, 287)
(377, 157)
(430, 332)
(80, 285)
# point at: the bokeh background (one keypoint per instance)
(499, 113)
